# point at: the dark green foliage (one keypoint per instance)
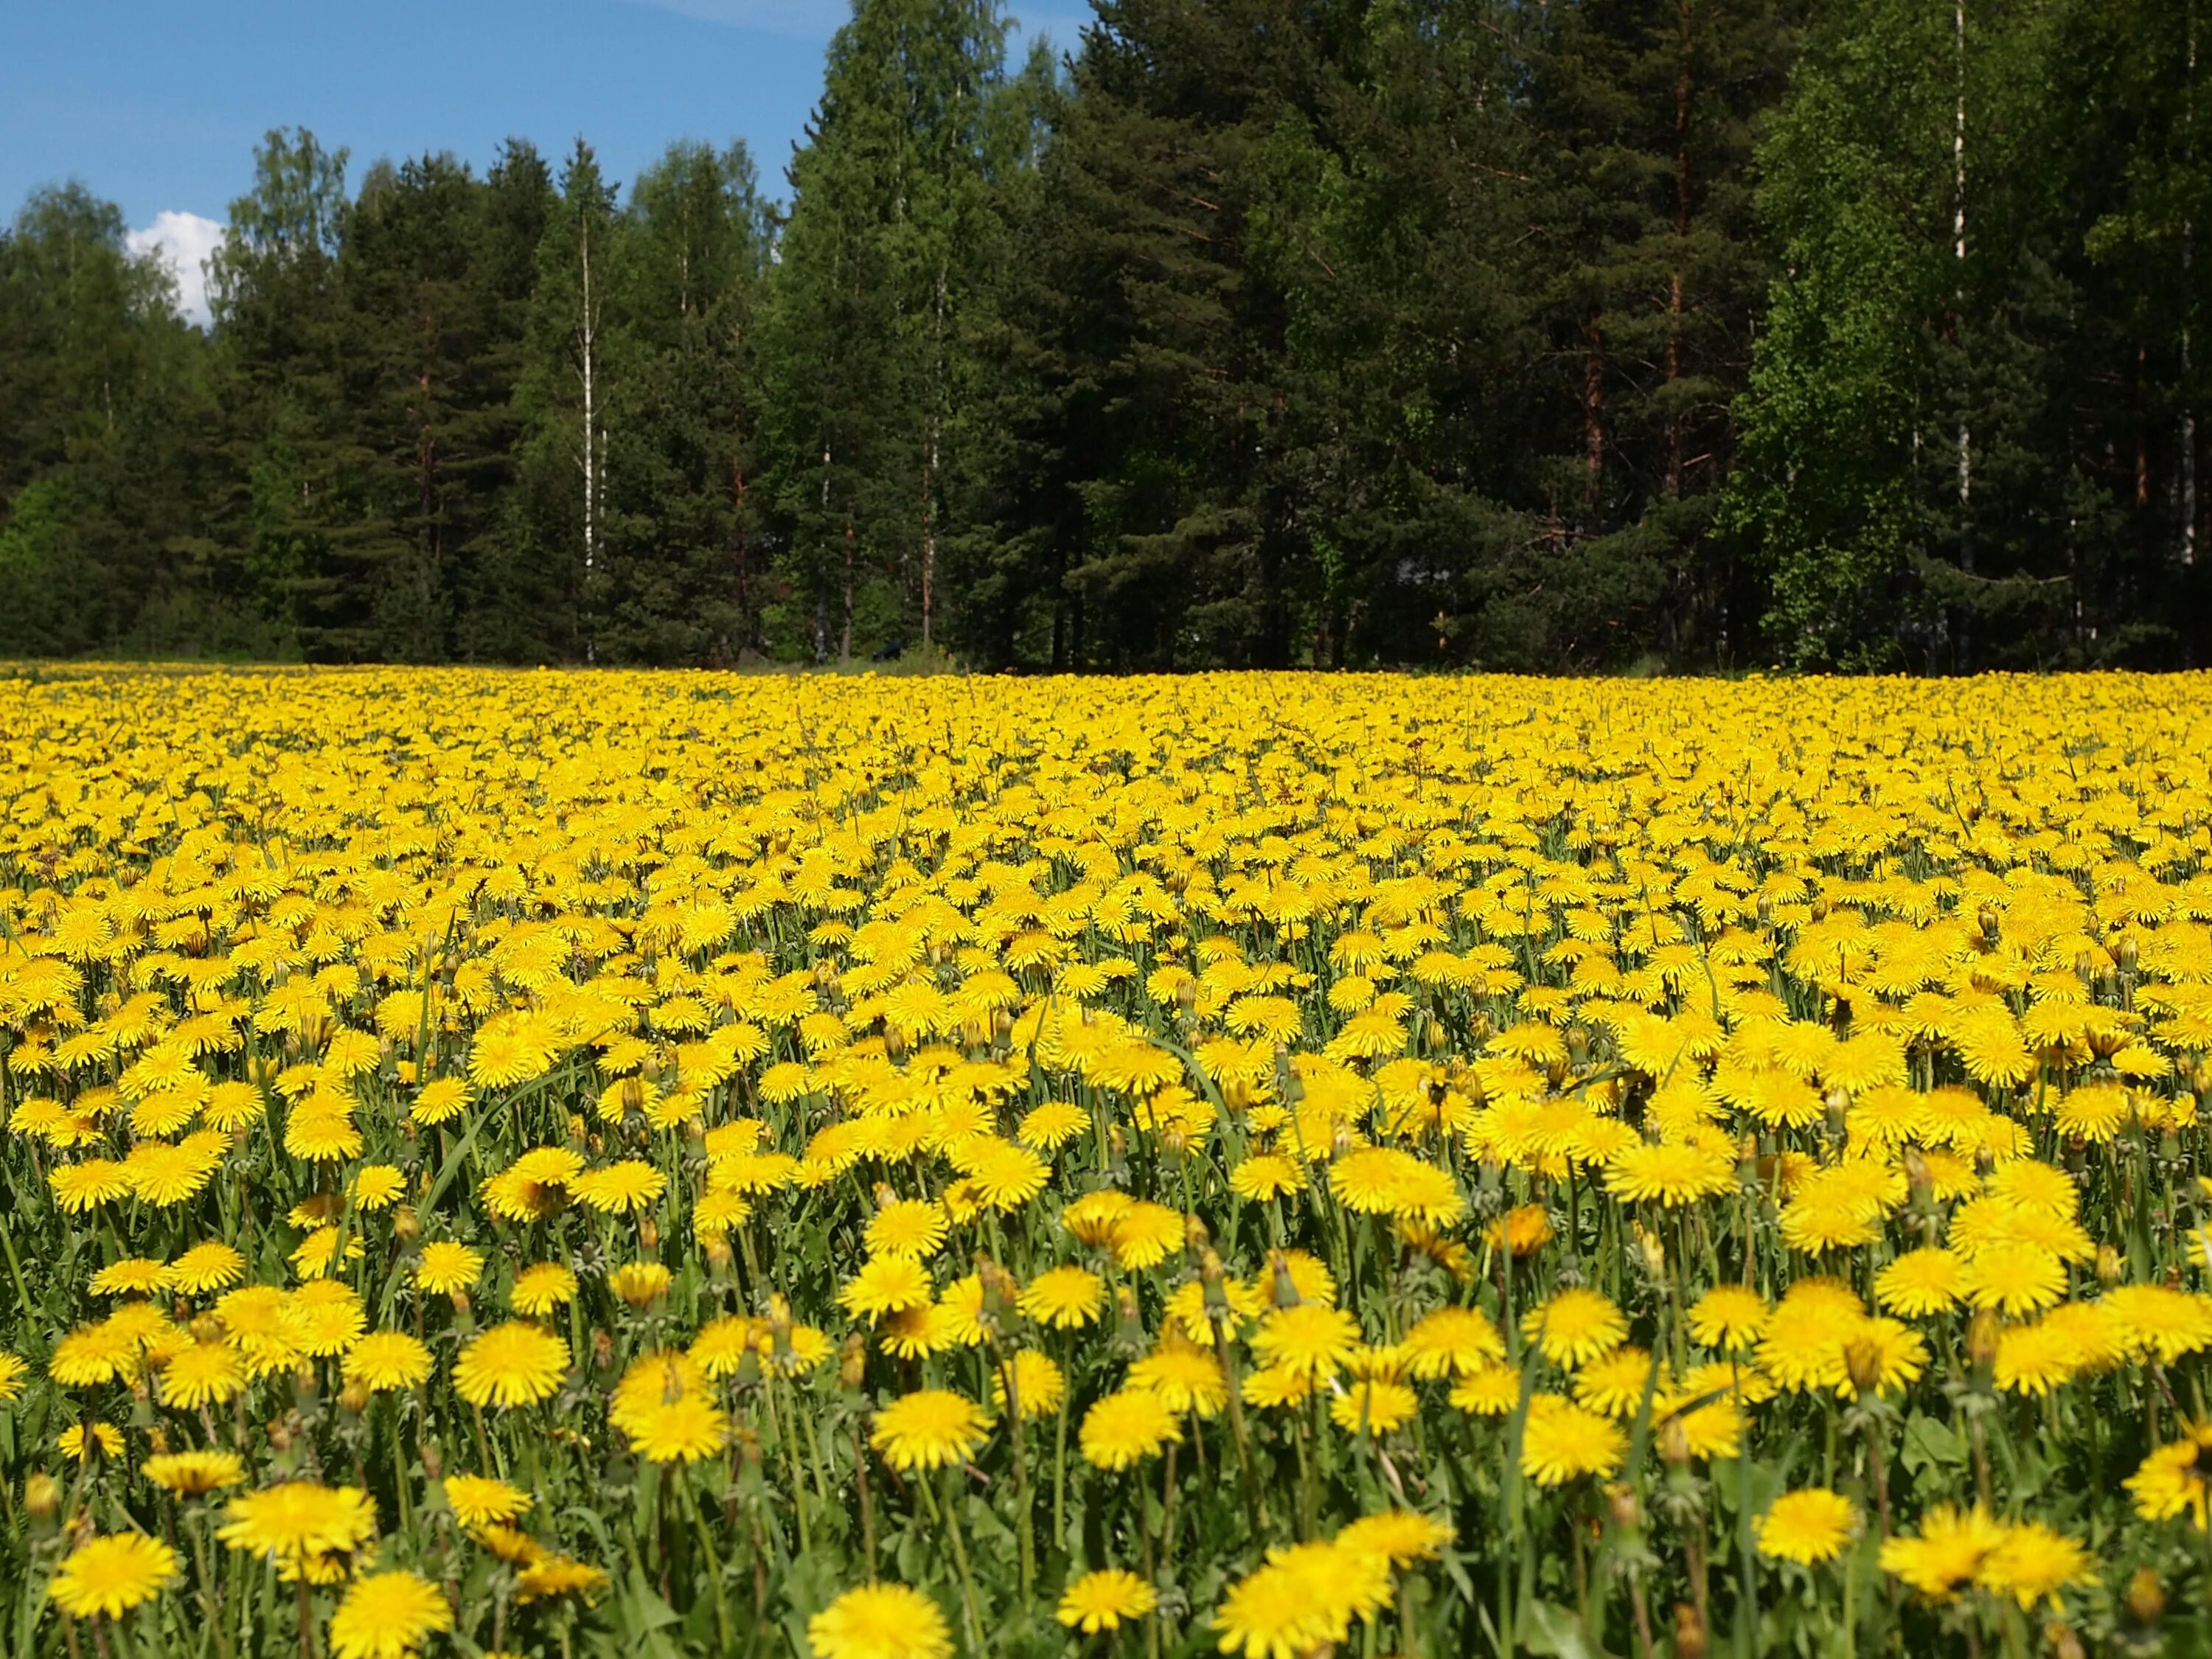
(1557, 335)
(2049, 362)
(104, 489)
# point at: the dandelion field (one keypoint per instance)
(558, 1164)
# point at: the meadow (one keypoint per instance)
(548, 1164)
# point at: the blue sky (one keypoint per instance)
(157, 103)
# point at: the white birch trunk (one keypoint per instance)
(2189, 290)
(1959, 232)
(589, 336)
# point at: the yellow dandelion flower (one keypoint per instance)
(511, 1364)
(111, 1575)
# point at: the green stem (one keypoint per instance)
(948, 1522)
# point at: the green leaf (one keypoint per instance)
(1928, 1442)
(1550, 1629)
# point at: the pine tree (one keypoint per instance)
(292, 460)
(871, 299)
(683, 522)
(103, 497)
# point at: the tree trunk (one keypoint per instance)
(1959, 290)
(821, 588)
(2143, 427)
(426, 490)
(1682, 89)
(928, 537)
(845, 645)
(2188, 292)
(1958, 303)
(1593, 406)
(747, 631)
(590, 339)
(929, 468)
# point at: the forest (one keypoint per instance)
(1644, 335)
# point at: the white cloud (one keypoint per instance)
(184, 240)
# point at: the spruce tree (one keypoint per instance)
(873, 295)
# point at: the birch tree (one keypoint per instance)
(573, 325)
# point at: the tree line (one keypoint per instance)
(1518, 334)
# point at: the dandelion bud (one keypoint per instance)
(406, 1225)
(853, 1361)
(1174, 1139)
(1002, 1024)
(1982, 1332)
(1194, 1234)
(1862, 1364)
(576, 1126)
(1214, 1276)
(1674, 1443)
(649, 1234)
(2145, 1599)
(460, 1302)
(1653, 1249)
(353, 1399)
(717, 1251)
(602, 1349)
(2124, 954)
(42, 1498)
(1130, 1337)
(1000, 1291)
(2111, 1267)
(1286, 1291)
(1689, 1632)
(2064, 1644)
(893, 1042)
